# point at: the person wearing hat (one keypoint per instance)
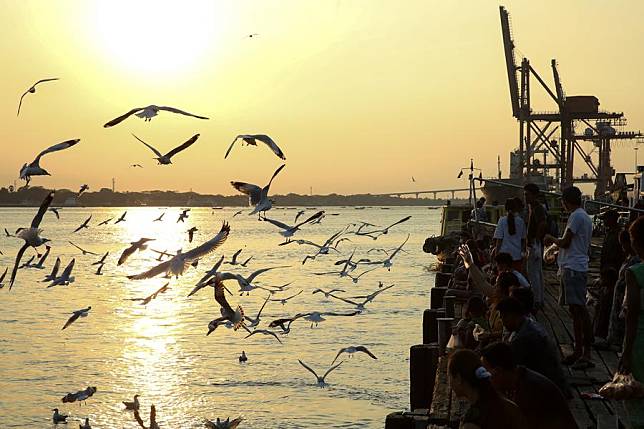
(573, 267)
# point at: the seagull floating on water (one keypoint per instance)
(191, 233)
(149, 112)
(243, 358)
(320, 380)
(251, 140)
(34, 168)
(258, 197)
(32, 90)
(58, 418)
(134, 405)
(167, 158)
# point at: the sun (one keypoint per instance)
(156, 37)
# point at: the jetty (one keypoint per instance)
(432, 403)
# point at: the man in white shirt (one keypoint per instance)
(574, 249)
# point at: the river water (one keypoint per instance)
(160, 350)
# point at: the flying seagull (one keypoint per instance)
(320, 380)
(237, 213)
(285, 300)
(135, 245)
(250, 140)
(288, 230)
(183, 215)
(167, 158)
(147, 299)
(66, 277)
(264, 332)
(153, 418)
(105, 222)
(31, 235)
(252, 322)
(85, 252)
(82, 189)
(99, 270)
(160, 218)
(236, 317)
(83, 312)
(102, 260)
(54, 271)
(258, 197)
(34, 168)
(327, 293)
(122, 218)
(32, 90)
(147, 113)
(351, 350)
(136, 165)
(180, 262)
(191, 233)
(5, 275)
(84, 224)
(233, 260)
(39, 265)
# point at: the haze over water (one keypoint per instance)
(161, 352)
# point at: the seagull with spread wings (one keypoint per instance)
(31, 235)
(34, 168)
(102, 260)
(139, 245)
(253, 322)
(83, 312)
(353, 349)
(66, 277)
(32, 90)
(366, 298)
(167, 158)
(320, 380)
(181, 261)
(228, 315)
(147, 113)
(191, 233)
(39, 265)
(122, 218)
(251, 140)
(147, 299)
(258, 197)
(83, 251)
(84, 224)
(105, 222)
(283, 301)
(264, 332)
(160, 218)
(54, 271)
(288, 230)
(4, 274)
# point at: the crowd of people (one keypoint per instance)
(507, 366)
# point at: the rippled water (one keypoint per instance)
(160, 351)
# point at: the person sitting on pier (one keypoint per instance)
(504, 263)
(530, 343)
(488, 409)
(510, 235)
(475, 312)
(526, 297)
(573, 260)
(538, 398)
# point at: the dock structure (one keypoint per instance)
(434, 406)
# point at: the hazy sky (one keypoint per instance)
(360, 95)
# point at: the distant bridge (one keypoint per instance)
(433, 192)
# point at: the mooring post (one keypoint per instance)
(436, 295)
(442, 279)
(448, 305)
(423, 361)
(444, 332)
(430, 324)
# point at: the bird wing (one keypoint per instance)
(231, 146)
(273, 177)
(123, 117)
(46, 80)
(252, 277)
(210, 245)
(277, 223)
(365, 350)
(156, 152)
(293, 296)
(235, 422)
(399, 248)
(68, 269)
(185, 145)
(55, 148)
(271, 144)
(310, 219)
(152, 272)
(181, 112)
(235, 255)
(54, 271)
(254, 192)
(405, 219)
(328, 371)
(220, 297)
(338, 355)
(43, 257)
(42, 210)
(5, 275)
(72, 319)
(20, 103)
(308, 368)
(258, 313)
(14, 272)
(126, 254)
(348, 301)
(353, 313)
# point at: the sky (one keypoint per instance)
(360, 95)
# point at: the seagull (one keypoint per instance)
(134, 405)
(162, 254)
(246, 283)
(180, 262)
(320, 380)
(327, 293)
(136, 165)
(105, 222)
(66, 277)
(367, 298)
(54, 210)
(84, 224)
(134, 246)
(85, 252)
(264, 332)
(34, 168)
(147, 113)
(58, 418)
(250, 140)
(41, 261)
(254, 322)
(83, 312)
(351, 350)
(153, 418)
(285, 300)
(147, 299)
(31, 235)
(213, 271)
(86, 425)
(412, 179)
(316, 317)
(5, 275)
(298, 214)
(233, 260)
(99, 269)
(32, 90)
(258, 196)
(382, 231)
(237, 213)
(27, 264)
(160, 218)
(183, 215)
(167, 158)
(236, 317)
(355, 279)
(122, 218)
(245, 263)
(191, 233)
(223, 424)
(83, 188)
(102, 260)
(243, 358)
(388, 263)
(289, 231)
(54, 271)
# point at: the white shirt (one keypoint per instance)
(511, 243)
(523, 282)
(575, 257)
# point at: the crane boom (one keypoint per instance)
(508, 47)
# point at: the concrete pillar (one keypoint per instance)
(423, 361)
(436, 295)
(448, 305)
(430, 325)
(444, 331)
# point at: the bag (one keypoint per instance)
(622, 387)
(550, 254)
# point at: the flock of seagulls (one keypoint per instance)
(231, 316)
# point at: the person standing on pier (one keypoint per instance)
(574, 250)
(510, 235)
(537, 223)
